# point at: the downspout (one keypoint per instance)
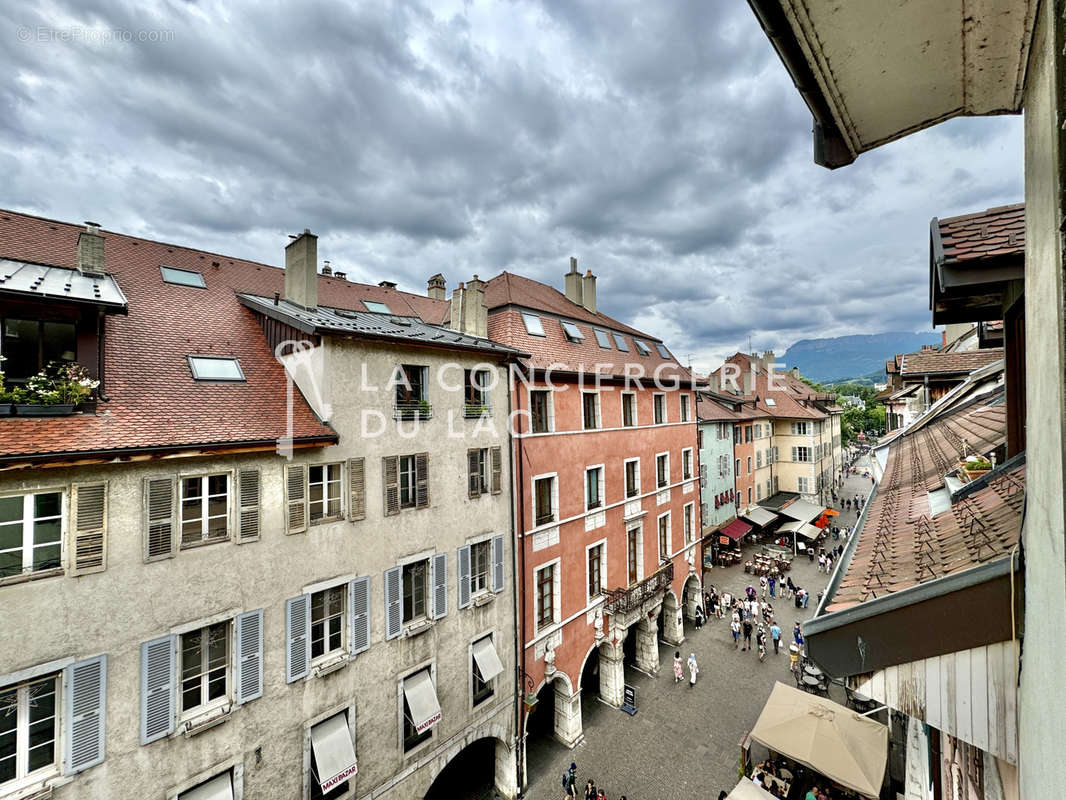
(101, 329)
(518, 581)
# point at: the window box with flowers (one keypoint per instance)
(55, 391)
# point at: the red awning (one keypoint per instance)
(736, 530)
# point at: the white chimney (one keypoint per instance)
(301, 270)
(573, 283)
(588, 291)
(437, 287)
(91, 249)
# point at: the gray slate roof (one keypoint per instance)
(59, 283)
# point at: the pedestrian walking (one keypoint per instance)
(590, 790)
(747, 626)
(773, 585)
(707, 603)
(797, 635)
(763, 584)
(790, 586)
(679, 671)
(570, 780)
(699, 617)
(735, 627)
(693, 670)
(775, 635)
(794, 659)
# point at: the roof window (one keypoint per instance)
(620, 340)
(533, 324)
(662, 350)
(572, 332)
(377, 307)
(182, 277)
(214, 368)
(602, 338)
(642, 348)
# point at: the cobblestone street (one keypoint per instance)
(684, 742)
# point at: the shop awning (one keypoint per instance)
(842, 745)
(802, 510)
(736, 530)
(809, 531)
(422, 700)
(331, 741)
(790, 527)
(760, 516)
(746, 790)
(488, 662)
(218, 788)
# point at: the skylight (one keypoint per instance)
(213, 368)
(572, 332)
(603, 339)
(662, 350)
(770, 401)
(642, 348)
(182, 277)
(376, 307)
(620, 340)
(533, 324)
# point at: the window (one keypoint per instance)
(590, 410)
(29, 729)
(324, 490)
(801, 428)
(210, 368)
(749, 495)
(699, 438)
(204, 509)
(736, 468)
(802, 485)
(408, 481)
(758, 491)
(484, 668)
(629, 409)
(642, 348)
(662, 350)
(534, 327)
(662, 469)
(801, 454)
(633, 555)
(478, 472)
(664, 538)
(544, 499)
(659, 405)
(736, 435)
(686, 463)
(476, 392)
(480, 560)
(620, 342)
(596, 563)
(747, 433)
(758, 459)
(410, 382)
(545, 596)
(602, 339)
(632, 478)
(593, 488)
(687, 521)
(749, 465)
(29, 345)
(219, 786)
(182, 277)
(376, 306)
(31, 533)
(771, 402)
(684, 408)
(540, 410)
(411, 735)
(327, 622)
(777, 484)
(572, 332)
(204, 667)
(332, 758)
(415, 583)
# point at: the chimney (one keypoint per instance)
(326, 268)
(712, 381)
(573, 283)
(749, 382)
(387, 284)
(91, 249)
(301, 270)
(767, 359)
(795, 372)
(469, 314)
(588, 291)
(437, 287)
(341, 275)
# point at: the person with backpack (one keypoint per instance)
(570, 780)
(747, 625)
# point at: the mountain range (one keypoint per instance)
(844, 358)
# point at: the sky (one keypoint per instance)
(662, 144)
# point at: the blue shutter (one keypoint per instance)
(463, 557)
(393, 609)
(440, 585)
(359, 603)
(157, 689)
(497, 563)
(297, 628)
(84, 717)
(249, 636)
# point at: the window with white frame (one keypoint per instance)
(687, 521)
(31, 533)
(684, 408)
(327, 623)
(801, 454)
(632, 467)
(634, 555)
(540, 410)
(590, 410)
(545, 587)
(415, 591)
(408, 477)
(480, 564)
(205, 509)
(659, 407)
(664, 537)
(484, 667)
(758, 491)
(629, 409)
(544, 499)
(758, 459)
(662, 470)
(801, 428)
(596, 569)
(593, 488)
(534, 326)
(803, 484)
(686, 463)
(324, 492)
(205, 658)
(29, 731)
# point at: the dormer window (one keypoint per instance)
(216, 369)
(376, 307)
(182, 277)
(29, 345)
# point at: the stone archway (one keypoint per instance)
(672, 627)
(691, 596)
(474, 773)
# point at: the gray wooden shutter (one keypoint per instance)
(249, 640)
(297, 629)
(359, 605)
(390, 477)
(89, 546)
(440, 585)
(793, 453)
(159, 512)
(497, 469)
(393, 609)
(157, 689)
(497, 563)
(248, 488)
(473, 463)
(84, 716)
(421, 480)
(463, 557)
(296, 498)
(356, 489)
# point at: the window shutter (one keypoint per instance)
(248, 483)
(440, 585)
(497, 563)
(159, 508)
(393, 609)
(296, 498)
(497, 469)
(157, 689)
(473, 473)
(390, 475)
(356, 489)
(793, 453)
(89, 502)
(421, 480)
(84, 717)
(359, 604)
(249, 636)
(297, 625)
(463, 556)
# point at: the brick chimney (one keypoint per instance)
(469, 314)
(437, 287)
(573, 283)
(588, 291)
(91, 249)
(301, 270)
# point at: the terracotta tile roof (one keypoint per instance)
(987, 234)
(710, 410)
(901, 544)
(792, 398)
(934, 362)
(154, 402)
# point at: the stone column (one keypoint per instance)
(567, 715)
(612, 674)
(673, 626)
(647, 634)
(506, 771)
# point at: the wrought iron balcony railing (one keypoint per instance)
(622, 601)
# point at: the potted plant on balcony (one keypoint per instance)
(974, 467)
(56, 390)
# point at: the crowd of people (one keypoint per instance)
(591, 792)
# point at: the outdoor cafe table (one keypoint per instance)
(812, 683)
(768, 781)
(813, 671)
